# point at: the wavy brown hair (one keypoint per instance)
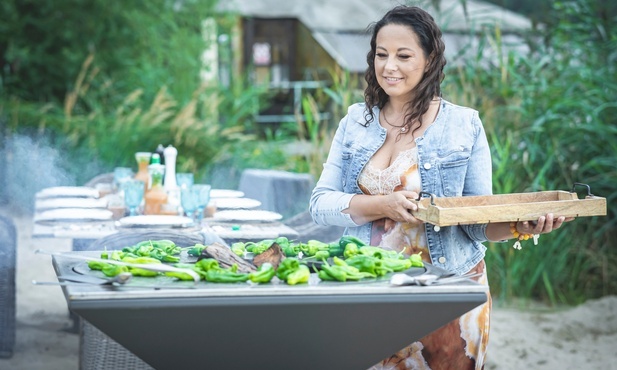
(429, 35)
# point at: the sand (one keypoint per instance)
(536, 337)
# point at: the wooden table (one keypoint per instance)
(322, 325)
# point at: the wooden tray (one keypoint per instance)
(449, 211)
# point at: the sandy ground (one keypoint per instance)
(583, 337)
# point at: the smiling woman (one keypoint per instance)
(403, 140)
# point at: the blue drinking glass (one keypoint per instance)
(185, 179)
(133, 195)
(202, 192)
(189, 200)
(122, 174)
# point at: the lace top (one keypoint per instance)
(402, 174)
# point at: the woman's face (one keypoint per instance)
(400, 62)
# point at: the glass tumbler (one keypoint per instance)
(203, 195)
(133, 195)
(185, 179)
(189, 199)
(122, 174)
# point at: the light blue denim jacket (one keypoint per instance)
(454, 160)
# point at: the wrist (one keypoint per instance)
(521, 236)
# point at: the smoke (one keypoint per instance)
(27, 166)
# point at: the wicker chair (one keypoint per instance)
(96, 349)
(8, 242)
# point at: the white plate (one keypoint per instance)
(225, 193)
(68, 191)
(236, 203)
(54, 203)
(156, 221)
(247, 215)
(74, 215)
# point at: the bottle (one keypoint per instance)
(143, 160)
(170, 184)
(160, 150)
(155, 196)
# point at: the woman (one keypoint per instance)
(402, 140)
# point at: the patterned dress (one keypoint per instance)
(460, 344)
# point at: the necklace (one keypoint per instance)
(402, 129)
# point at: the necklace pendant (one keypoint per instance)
(403, 129)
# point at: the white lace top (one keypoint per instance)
(402, 174)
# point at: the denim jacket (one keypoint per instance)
(454, 160)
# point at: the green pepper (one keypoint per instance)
(225, 276)
(137, 271)
(140, 260)
(299, 276)
(207, 264)
(238, 248)
(396, 264)
(346, 239)
(313, 246)
(291, 249)
(179, 275)
(196, 250)
(368, 250)
(343, 272)
(282, 242)
(97, 265)
(333, 272)
(264, 274)
(170, 258)
(105, 254)
(416, 260)
(113, 270)
(335, 249)
(286, 267)
(365, 264)
(351, 249)
(117, 255)
(323, 275)
(260, 247)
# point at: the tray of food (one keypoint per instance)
(448, 211)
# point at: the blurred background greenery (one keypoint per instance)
(100, 80)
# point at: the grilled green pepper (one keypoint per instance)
(396, 264)
(196, 250)
(416, 260)
(207, 264)
(378, 252)
(264, 274)
(97, 265)
(113, 270)
(299, 276)
(238, 248)
(225, 276)
(351, 249)
(286, 267)
(346, 239)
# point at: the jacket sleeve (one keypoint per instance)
(328, 199)
(479, 177)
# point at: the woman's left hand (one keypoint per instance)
(544, 225)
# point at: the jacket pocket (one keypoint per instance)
(453, 172)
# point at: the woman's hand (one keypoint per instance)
(397, 207)
(544, 225)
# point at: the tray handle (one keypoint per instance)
(581, 184)
(432, 196)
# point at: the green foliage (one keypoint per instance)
(137, 44)
(550, 120)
